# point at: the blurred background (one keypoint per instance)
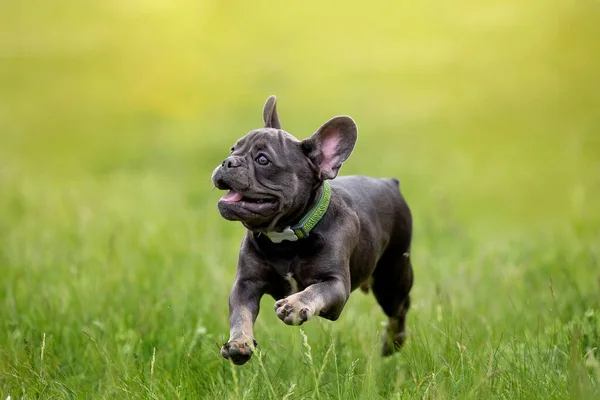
(488, 110)
(114, 113)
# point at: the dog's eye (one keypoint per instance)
(262, 160)
(231, 152)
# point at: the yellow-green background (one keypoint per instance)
(114, 113)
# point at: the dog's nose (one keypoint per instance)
(232, 162)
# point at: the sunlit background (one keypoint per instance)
(114, 113)
(492, 106)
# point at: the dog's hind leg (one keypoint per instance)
(392, 281)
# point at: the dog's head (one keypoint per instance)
(271, 176)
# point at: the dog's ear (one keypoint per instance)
(331, 145)
(270, 113)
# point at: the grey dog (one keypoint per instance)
(311, 239)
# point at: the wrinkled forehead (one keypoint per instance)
(266, 138)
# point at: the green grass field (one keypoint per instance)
(115, 266)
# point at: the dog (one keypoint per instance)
(311, 239)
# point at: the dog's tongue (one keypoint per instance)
(232, 196)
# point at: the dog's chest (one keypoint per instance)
(292, 284)
(291, 264)
(291, 278)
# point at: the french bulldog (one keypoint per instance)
(311, 238)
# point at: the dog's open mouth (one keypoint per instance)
(234, 197)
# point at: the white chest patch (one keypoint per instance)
(293, 284)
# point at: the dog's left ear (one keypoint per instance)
(331, 145)
(270, 113)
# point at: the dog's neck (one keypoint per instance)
(298, 226)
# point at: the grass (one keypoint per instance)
(115, 265)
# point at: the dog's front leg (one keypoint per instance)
(244, 302)
(326, 298)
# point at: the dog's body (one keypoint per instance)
(362, 239)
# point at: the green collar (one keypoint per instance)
(308, 222)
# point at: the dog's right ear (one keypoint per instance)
(270, 113)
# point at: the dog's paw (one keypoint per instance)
(238, 351)
(392, 343)
(292, 311)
